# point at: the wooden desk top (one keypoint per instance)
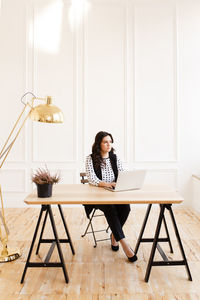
(87, 194)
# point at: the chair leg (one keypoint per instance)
(107, 228)
(95, 241)
(89, 223)
(92, 229)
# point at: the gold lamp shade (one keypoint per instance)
(47, 113)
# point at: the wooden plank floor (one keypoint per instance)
(98, 273)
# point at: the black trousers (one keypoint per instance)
(116, 216)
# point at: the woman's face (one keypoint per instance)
(106, 144)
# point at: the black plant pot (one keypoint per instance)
(44, 190)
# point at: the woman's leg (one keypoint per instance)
(123, 211)
(116, 216)
(126, 247)
(112, 217)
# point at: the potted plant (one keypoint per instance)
(44, 182)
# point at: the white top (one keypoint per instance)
(106, 170)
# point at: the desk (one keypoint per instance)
(86, 194)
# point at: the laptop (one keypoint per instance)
(129, 180)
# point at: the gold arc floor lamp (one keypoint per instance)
(46, 113)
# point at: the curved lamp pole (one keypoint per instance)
(46, 113)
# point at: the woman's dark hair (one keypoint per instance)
(96, 148)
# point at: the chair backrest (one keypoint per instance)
(83, 178)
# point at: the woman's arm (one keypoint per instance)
(119, 164)
(106, 184)
(91, 176)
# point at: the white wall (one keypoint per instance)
(129, 67)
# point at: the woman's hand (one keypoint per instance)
(107, 184)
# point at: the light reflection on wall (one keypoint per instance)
(46, 31)
(78, 9)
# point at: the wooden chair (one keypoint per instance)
(93, 214)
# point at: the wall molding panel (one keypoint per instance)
(13, 180)
(55, 63)
(12, 61)
(156, 137)
(94, 123)
(167, 177)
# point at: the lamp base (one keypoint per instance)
(10, 255)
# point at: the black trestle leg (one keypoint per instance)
(33, 241)
(167, 233)
(179, 241)
(58, 244)
(142, 229)
(41, 234)
(66, 229)
(155, 241)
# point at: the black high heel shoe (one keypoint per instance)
(132, 258)
(114, 248)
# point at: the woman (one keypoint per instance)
(102, 168)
